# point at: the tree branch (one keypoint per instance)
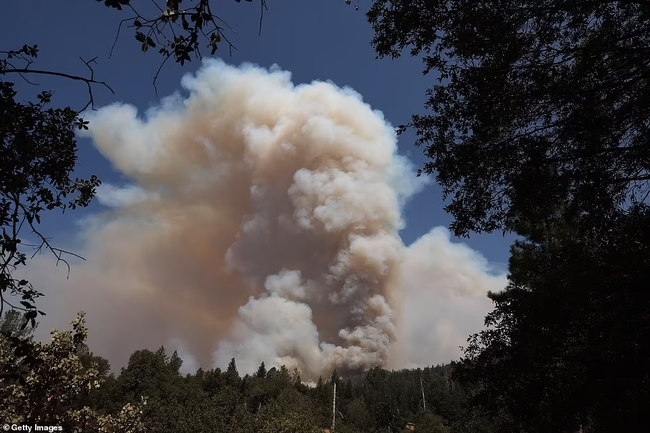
(89, 81)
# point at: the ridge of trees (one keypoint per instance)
(72, 387)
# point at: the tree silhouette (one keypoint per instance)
(538, 104)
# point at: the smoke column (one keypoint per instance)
(261, 222)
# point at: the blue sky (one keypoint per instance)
(324, 40)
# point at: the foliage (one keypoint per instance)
(177, 31)
(538, 104)
(15, 339)
(38, 153)
(568, 340)
(11, 324)
(49, 392)
(277, 402)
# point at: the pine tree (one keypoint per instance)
(175, 362)
(232, 368)
(261, 372)
(232, 375)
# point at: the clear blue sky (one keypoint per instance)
(315, 40)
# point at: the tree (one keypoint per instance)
(357, 415)
(261, 371)
(175, 362)
(54, 382)
(541, 111)
(231, 371)
(174, 403)
(13, 324)
(276, 419)
(177, 31)
(334, 377)
(567, 344)
(430, 423)
(38, 153)
(15, 344)
(539, 126)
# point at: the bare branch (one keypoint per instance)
(117, 35)
(155, 78)
(89, 81)
(159, 8)
(180, 39)
(262, 8)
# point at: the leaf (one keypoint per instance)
(151, 43)
(140, 37)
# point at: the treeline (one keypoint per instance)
(74, 388)
(276, 400)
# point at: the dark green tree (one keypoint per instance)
(567, 344)
(175, 362)
(231, 370)
(428, 422)
(261, 371)
(38, 153)
(538, 103)
(231, 375)
(101, 364)
(146, 375)
(334, 377)
(358, 416)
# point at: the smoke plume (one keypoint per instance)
(261, 222)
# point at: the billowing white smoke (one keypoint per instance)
(262, 223)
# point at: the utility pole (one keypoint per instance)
(333, 410)
(424, 401)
